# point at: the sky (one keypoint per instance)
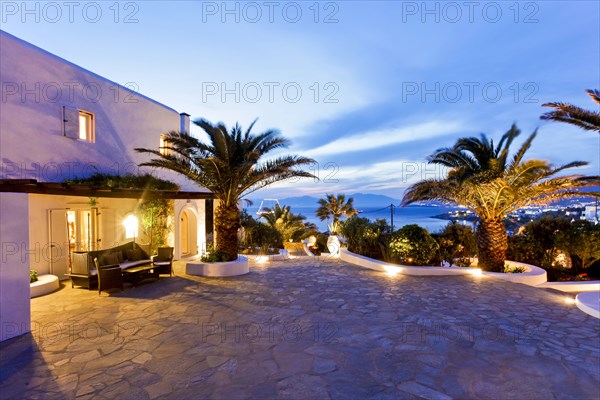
(368, 89)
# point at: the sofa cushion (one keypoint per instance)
(109, 259)
(134, 255)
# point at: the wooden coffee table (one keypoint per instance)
(135, 275)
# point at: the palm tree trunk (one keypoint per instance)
(227, 223)
(492, 242)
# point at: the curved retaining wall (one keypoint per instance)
(533, 276)
(573, 287)
(589, 303)
(219, 269)
(366, 262)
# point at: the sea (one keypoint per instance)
(414, 214)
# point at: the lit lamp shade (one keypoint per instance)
(131, 226)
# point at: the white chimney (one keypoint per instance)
(184, 123)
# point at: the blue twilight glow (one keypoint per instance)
(367, 88)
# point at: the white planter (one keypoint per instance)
(333, 245)
(44, 285)
(219, 269)
(589, 303)
(283, 255)
(573, 286)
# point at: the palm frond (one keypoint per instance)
(568, 113)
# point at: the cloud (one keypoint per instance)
(390, 177)
(386, 137)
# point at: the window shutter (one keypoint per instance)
(70, 122)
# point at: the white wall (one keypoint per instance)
(35, 87)
(111, 230)
(14, 266)
(198, 208)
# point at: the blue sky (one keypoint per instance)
(367, 88)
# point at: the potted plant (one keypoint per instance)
(335, 207)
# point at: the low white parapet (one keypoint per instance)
(366, 262)
(283, 255)
(589, 303)
(533, 276)
(219, 269)
(573, 286)
(45, 284)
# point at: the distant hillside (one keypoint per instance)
(373, 200)
(361, 200)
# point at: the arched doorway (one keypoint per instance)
(188, 225)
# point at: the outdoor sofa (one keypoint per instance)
(85, 265)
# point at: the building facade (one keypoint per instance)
(58, 122)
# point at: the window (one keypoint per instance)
(163, 143)
(79, 124)
(86, 126)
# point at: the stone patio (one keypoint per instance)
(306, 328)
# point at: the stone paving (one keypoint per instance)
(306, 328)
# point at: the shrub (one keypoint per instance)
(582, 240)
(412, 245)
(367, 238)
(457, 244)
(516, 269)
(537, 242)
(257, 234)
(214, 256)
(33, 276)
(289, 225)
(322, 243)
(580, 277)
(464, 262)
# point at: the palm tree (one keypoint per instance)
(484, 179)
(335, 207)
(231, 166)
(288, 224)
(588, 120)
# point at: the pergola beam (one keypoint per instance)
(32, 186)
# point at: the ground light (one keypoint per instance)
(391, 270)
(476, 272)
(262, 260)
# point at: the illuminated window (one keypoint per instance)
(163, 142)
(86, 126)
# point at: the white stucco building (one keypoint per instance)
(591, 213)
(59, 121)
